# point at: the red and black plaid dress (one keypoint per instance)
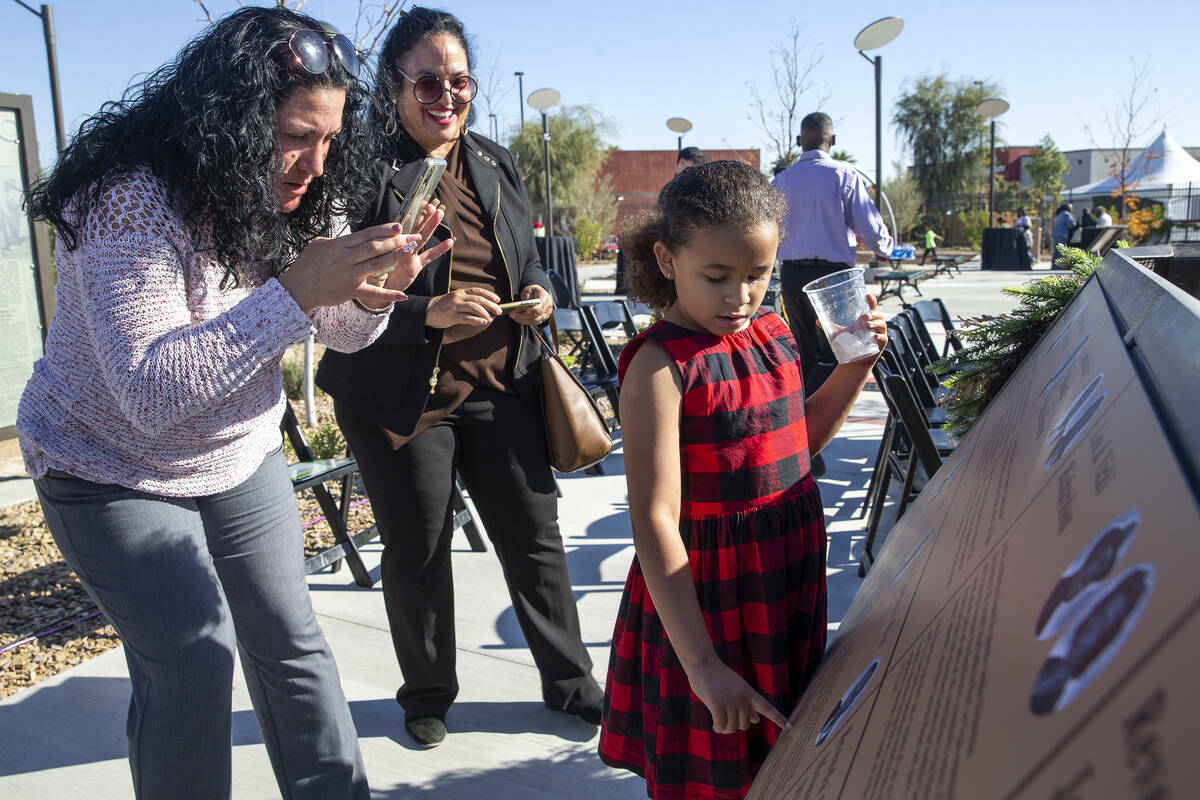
(752, 520)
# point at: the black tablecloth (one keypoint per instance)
(1004, 248)
(557, 254)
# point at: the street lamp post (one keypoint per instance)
(47, 17)
(542, 100)
(520, 94)
(872, 37)
(680, 126)
(990, 109)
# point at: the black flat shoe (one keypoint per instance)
(590, 713)
(426, 731)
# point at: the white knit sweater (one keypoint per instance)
(154, 378)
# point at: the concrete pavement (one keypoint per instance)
(65, 736)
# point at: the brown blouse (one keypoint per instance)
(476, 261)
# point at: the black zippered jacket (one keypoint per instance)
(390, 381)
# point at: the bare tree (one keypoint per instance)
(1130, 120)
(376, 18)
(793, 63)
(371, 23)
(493, 89)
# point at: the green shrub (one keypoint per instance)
(327, 442)
(293, 380)
(995, 345)
(587, 235)
(973, 223)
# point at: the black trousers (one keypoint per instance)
(498, 443)
(816, 356)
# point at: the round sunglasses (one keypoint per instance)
(312, 48)
(428, 89)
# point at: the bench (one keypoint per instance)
(312, 473)
(893, 281)
(946, 264)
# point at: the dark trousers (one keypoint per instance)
(498, 443)
(816, 357)
(930, 252)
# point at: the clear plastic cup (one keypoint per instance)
(840, 300)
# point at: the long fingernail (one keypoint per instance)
(408, 248)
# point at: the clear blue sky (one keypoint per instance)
(640, 62)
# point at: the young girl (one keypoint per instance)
(723, 617)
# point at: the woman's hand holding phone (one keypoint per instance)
(331, 271)
(468, 311)
(403, 268)
(539, 313)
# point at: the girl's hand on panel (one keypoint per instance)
(734, 704)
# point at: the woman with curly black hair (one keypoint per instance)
(451, 386)
(196, 222)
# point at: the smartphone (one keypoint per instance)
(519, 305)
(420, 193)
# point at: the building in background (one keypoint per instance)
(638, 175)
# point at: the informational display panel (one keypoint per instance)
(20, 312)
(1030, 627)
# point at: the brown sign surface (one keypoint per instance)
(1029, 628)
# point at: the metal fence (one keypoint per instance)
(1179, 204)
(1179, 216)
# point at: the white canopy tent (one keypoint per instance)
(1164, 172)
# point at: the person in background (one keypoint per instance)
(452, 387)
(1088, 220)
(1103, 220)
(689, 157)
(197, 222)
(1060, 234)
(1025, 225)
(722, 621)
(931, 240)
(828, 209)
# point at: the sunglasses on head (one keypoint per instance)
(311, 48)
(428, 89)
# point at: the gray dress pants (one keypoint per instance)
(186, 580)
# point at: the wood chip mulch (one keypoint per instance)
(39, 593)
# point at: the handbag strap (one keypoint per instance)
(546, 346)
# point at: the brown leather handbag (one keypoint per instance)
(575, 429)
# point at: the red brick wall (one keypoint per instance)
(1009, 160)
(638, 175)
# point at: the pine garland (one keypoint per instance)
(996, 345)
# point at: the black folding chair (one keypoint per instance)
(935, 311)
(562, 292)
(929, 392)
(927, 449)
(918, 335)
(613, 314)
(310, 472)
(604, 365)
(908, 365)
